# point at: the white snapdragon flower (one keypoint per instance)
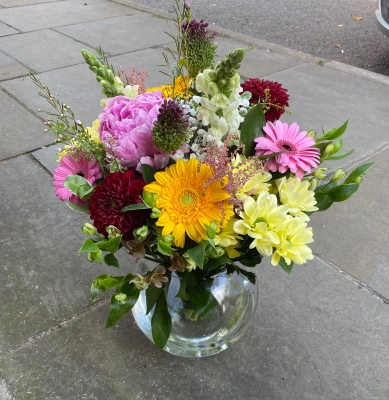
(131, 91)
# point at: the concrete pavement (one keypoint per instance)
(319, 334)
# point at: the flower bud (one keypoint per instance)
(330, 147)
(319, 173)
(213, 88)
(118, 84)
(88, 229)
(338, 174)
(311, 133)
(112, 232)
(358, 180)
(212, 75)
(141, 233)
(121, 297)
(103, 102)
(167, 238)
(313, 184)
(155, 212)
(217, 252)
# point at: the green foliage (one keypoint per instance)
(197, 254)
(122, 302)
(252, 128)
(136, 206)
(203, 302)
(148, 173)
(285, 266)
(152, 295)
(161, 322)
(78, 208)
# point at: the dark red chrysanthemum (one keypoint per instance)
(117, 191)
(277, 96)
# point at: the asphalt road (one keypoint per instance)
(340, 30)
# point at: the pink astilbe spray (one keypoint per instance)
(134, 77)
(238, 172)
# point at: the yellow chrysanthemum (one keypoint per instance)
(181, 87)
(259, 220)
(188, 201)
(296, 194)
(94, 130)
(294, 237)
(229, 239)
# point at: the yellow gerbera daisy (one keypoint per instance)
(181, 88)
(188, 201)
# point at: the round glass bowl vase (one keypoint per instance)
(193, 336)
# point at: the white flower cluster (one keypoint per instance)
(218, 112)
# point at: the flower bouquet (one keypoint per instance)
(199, 177)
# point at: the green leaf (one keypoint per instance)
(197, 254)
(89, 246)
(121, 306)
(285, 266)
(182, 290)
(111, 260)
(334, 133)
(358, 171)
(323, 201)
(137, 206)
(111, 245)
(203, 302)
(211, 232)
(182, 62)
(165, 248)
(97, 256)
(341, 192)
(106, 282)
(148, 173)
(78, 208)
(161, 323)
(340, 156)
(152, 295)
(94, 291)
(271, 155)
(78, 185)
(215, 262)
(252, 128)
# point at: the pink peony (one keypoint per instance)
(68, 165)
(299, 156)
(128, 122)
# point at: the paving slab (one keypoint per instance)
(20, 131)
(257, 63)
(10, 68)
(353, 235)
(7, 30)
(77, 86)
(43, 50)
(18, 3)
(130, 29)
(315, 336)
(322, 98)
(45, 281)
(60, 13)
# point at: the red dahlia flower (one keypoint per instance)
(117, 191)
(277, 96)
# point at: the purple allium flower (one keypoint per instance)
(197, 31)
(171, 127)
(125, 127)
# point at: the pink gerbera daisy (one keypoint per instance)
(68, 165)
(300, 155)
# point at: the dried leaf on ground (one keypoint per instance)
(357, 18)
(338, 45)
(341, 25)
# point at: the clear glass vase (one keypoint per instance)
(199, 337)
